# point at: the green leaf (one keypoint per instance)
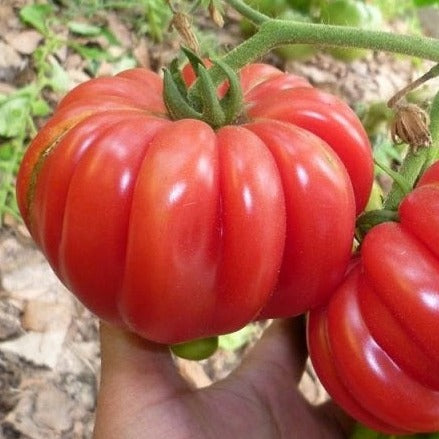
(59, 79)
(110, 36)
(40, 108)
(13, 116)
(85, 29)
(91, 53)
(6, 151)
(36, 16)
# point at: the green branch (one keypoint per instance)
(248, 12)
(432, 73)
(273, 33)
(434, 131)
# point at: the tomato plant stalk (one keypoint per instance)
(274, 32)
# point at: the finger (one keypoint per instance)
(281, 351)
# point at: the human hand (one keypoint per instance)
(142, 395)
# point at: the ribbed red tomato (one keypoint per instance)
(376, 345)
(177, 231)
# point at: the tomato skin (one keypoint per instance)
(176, 231)
(328, 117)
(375, 346)
(305, 265)
(216, 261)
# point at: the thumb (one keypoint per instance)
(126, 356)
(135, 374)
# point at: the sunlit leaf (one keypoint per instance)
(36, 16)
(91, 53)
(13, 115)
(59, 79)
(6, 151)
(40, 108)
(85, 29)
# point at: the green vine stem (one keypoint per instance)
(411, 168)
(273, 33)
(432, 73)
(404, 186)
(433, 155)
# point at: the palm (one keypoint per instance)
(143, 397)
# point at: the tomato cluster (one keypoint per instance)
(177, 231)
(375, 345)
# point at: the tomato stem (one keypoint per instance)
(432, 73)
(399, 180)
(202, 103)
(410, 170)
(434, 132)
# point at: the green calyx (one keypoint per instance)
(202, 102)
(368, 220)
